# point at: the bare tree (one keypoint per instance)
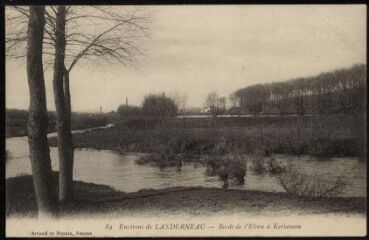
(93, 33)
(215, 104)
(87, 34)
(37, 119)
(180, 100)
(222, 104)
(235, 104)
(65, 142)
(235, 100)
(110, 38)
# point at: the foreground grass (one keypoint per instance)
(340, 135)
(100, 199)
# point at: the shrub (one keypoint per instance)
(314, 136)
(223, 146)
(231, 166)
(159, 106)
(258, 165)
(303, 184)
(276, 167)
(264, 163)
(87, 120)
(129, 112)
(237, 167)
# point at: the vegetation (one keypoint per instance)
(153, 129)
(101, 199)
(331, 135)
(115, 37)
(224, 161)
(16, 121)
(215, 104)
(339, 92)
(303, 184)
(20, 196)
(267, 164)
(153, 107)
(159, 106)
(88, 120)
(130, 112)
(46, 197)
(231, 166)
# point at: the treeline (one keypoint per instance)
(16, 121)
(341, 91)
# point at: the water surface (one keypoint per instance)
(122, 173)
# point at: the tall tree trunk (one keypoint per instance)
(37, 119)
(61, 108)
(68, 126)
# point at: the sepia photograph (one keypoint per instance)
(185, 120)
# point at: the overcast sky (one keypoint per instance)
(199, 49)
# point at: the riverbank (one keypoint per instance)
(16, 122)
(103, 200)
(328, 135)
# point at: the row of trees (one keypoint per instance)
(62, 37)
(340, 91)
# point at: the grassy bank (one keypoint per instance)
(16, 122)
(328, 135)
(100, 199)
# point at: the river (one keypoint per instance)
(122, 173)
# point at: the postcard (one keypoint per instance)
(186, 120)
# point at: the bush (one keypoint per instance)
(319, 136)
(212, 164)
(87, 120)
(159, 106)
(267, 164)
(231, 166)
(237, 167)
(16, 122)
(223, 146)
(129, 112)
(303, 184)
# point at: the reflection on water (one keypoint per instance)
(121, 172)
